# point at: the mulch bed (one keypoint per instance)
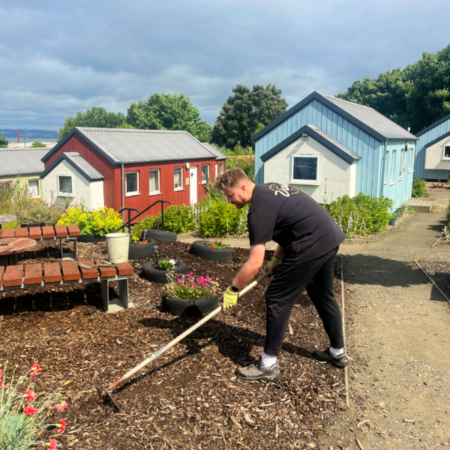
(189, 397)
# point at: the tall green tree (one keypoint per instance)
(3, 141)
(169, 112)
(415, 97)
(245, 112)
(95, 117)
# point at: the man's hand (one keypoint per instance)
(229, 298)
(272, 266)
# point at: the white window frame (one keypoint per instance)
(393, 166)
(216, 170)
(204, 165)
(131, 194)
(315, 182)
(385, 168)
(221, 168)
(400, 173)
(411, 160)
(64, 194)
(159, 182)
(443, 152)
(182, 184)
(38, 187)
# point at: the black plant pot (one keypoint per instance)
(91, 238)
(182, 307)
(144, 251)
(214, 254)
(160, 276)
(159, 235)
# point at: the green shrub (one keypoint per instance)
(37, 144)
(147, 223)
(246, 164)
(220, 218)
(40, 212)
(362, 214)
(418, 188)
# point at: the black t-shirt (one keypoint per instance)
(293, 220)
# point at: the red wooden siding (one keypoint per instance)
(77, 144)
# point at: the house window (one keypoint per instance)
(205, 174)
(154, 182)
(216, 171)
(305, 169)
(178, 178)
(221, 168)
(132, 183)
(385, 167)
(393, 167)
(400, 172)
(33, 187)
(447, 151)
(411, 160)
(65, 185)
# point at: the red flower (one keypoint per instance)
(1, 372)
(61, 406)
(29, 410)
(30, 395)
(62, 426)
(212, 246)
(1, 383)
(52, 444)
(35, 369)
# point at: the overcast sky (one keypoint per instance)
(57, 58)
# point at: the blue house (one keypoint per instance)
(433, 151)
(328, 147)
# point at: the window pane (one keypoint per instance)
(305, 168)
(33, 186)
(65, 185)
(221, 167)
(205, 174)
(178, 180)
(132, 184)
(393, 166)
(447, 151)
(154, 181)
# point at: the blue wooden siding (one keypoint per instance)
(424, 139)
(315, 113)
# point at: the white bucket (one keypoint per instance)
(118, 245)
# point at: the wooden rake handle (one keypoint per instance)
(162, 350)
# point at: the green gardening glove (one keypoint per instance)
(272, 266)
(229, 299)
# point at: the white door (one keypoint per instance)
(193, 185)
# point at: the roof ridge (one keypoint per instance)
(352, 103)
(134, 130)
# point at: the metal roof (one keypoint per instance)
(214, 151)
(365, 118)
(78, 163)
(25, 161)
(435, 124)
(135, 146)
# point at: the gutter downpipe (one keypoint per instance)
(384, 166)
(123, 189)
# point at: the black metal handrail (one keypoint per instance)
(145, 210)
(129, 216)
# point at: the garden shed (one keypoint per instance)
(328, 147)
(433, 151)
(139, 167)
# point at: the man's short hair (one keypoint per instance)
(230, 179)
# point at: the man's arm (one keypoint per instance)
(251, 267)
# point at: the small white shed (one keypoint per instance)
(70, 177)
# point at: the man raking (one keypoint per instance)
(308, 240)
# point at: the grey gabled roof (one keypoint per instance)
(219, 155)
(78, 163)
(365, 118)
(25, 161)
(135, 146)
(320, 136)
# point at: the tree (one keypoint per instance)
(245, 112)
(414, 97)
(95, 117)
(168, 112)
(37, 144)
(3, 141)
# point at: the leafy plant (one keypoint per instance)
(419, 188)
(189, 288)
(166, 264)
(220, 219)
(217, 245)
(40, 212)
(37, 144)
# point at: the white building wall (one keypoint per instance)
(434, 155)
(336, 177)
(97, 198)
(80, 185)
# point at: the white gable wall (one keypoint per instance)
(336, 176)
(434, 155)
(89, 193)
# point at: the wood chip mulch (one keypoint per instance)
(190, 397)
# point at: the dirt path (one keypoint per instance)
(399, 340)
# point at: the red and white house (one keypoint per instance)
(121, 168)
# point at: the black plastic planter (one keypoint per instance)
(86, 238)
(159, 235)
(182, 307)
(142, 251)
(160, 276)
(214, 254)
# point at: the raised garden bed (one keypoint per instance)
(141, 250)
(189, 398)
(205, 250)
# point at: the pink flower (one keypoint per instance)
(30, 395)
(61, 406)
(201, 281)
(62, 426)
(35, 369)
(29, 411)
(52, 444)
(1, 383)
(1, 372)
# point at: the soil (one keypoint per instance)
(189, 397)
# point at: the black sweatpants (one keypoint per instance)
(289, 282)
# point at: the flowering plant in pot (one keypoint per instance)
(216, 245)
(189, 295)
(158, 269)
(141, 249)
(23, 412)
